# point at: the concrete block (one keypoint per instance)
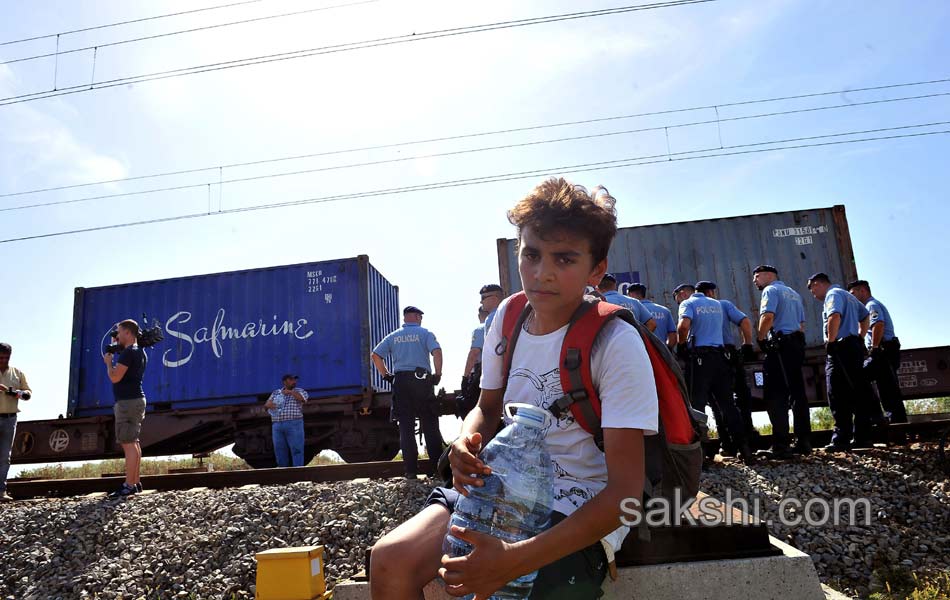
(789, 576)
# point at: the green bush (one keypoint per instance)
(928, 406)
(821, 418)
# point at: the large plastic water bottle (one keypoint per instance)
(515, 502)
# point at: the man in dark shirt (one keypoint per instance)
(126, 377)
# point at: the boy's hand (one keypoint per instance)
(463, 457)
(486, 569)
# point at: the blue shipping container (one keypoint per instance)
(230, 336)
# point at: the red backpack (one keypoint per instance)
(673, 457)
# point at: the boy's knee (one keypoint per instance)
(383, 557)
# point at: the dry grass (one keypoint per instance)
(215, 462)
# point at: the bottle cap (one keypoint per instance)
(527, 414)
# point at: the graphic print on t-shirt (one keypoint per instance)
(575, 495)
(549, 391)
(548, 388)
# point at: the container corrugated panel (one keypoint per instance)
(383, 318)
(797, 243)
(230, 336)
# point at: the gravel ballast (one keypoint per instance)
(201, 543)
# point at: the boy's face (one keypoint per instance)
(555, 270)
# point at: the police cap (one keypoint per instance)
(765, 269)
(858, 283)
(683, 286)
(490, 287)
(608, 278)
(638, 288)
(289, 376)
(411, 309)
(818, 277)
(705, 286)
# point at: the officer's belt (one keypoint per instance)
(782, 338)
(418, 371)
(706, 349)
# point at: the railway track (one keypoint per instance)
(58, 488)
(929, 430)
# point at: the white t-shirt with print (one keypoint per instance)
(623, 378)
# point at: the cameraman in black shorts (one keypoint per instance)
(126, 376)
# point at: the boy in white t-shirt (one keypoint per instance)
(564, 234)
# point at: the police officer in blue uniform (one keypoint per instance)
(885, 352)
(491, 296)
(608, 288)
(736, 355)
(845, 321)
(781, 335)
(700, 345)
(665, 324)
(409, 348)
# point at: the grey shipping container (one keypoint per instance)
(798, 243)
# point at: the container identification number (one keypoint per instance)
(316, 280)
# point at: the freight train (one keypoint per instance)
(228, 336)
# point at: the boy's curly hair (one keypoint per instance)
(559, 205)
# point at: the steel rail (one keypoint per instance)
(214, 479)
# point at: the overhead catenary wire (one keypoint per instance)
(665, 128)
(463, 136)
(344, 47)
(130, 22)
(98, 47)
(714, 152)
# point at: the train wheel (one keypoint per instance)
(378, 443)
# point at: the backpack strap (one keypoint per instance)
(577, 380)
(516, 313)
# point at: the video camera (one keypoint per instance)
(147, 337)
(21, 394)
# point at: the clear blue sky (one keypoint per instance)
(439, 246)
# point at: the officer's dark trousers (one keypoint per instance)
(740, 387)
(710, 381)
(785, 389)
(882, 369)
(849, 394)
(413, 399)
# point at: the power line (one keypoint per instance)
(143, 19)
(498, 132)
(337, 48)
(222, 182)
(735, 150)
(183, 31)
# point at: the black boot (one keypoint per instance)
(745, 453)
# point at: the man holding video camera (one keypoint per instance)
(13, 388)
(126, 377)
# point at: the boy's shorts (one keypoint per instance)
(129, 415)
(577, 576)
